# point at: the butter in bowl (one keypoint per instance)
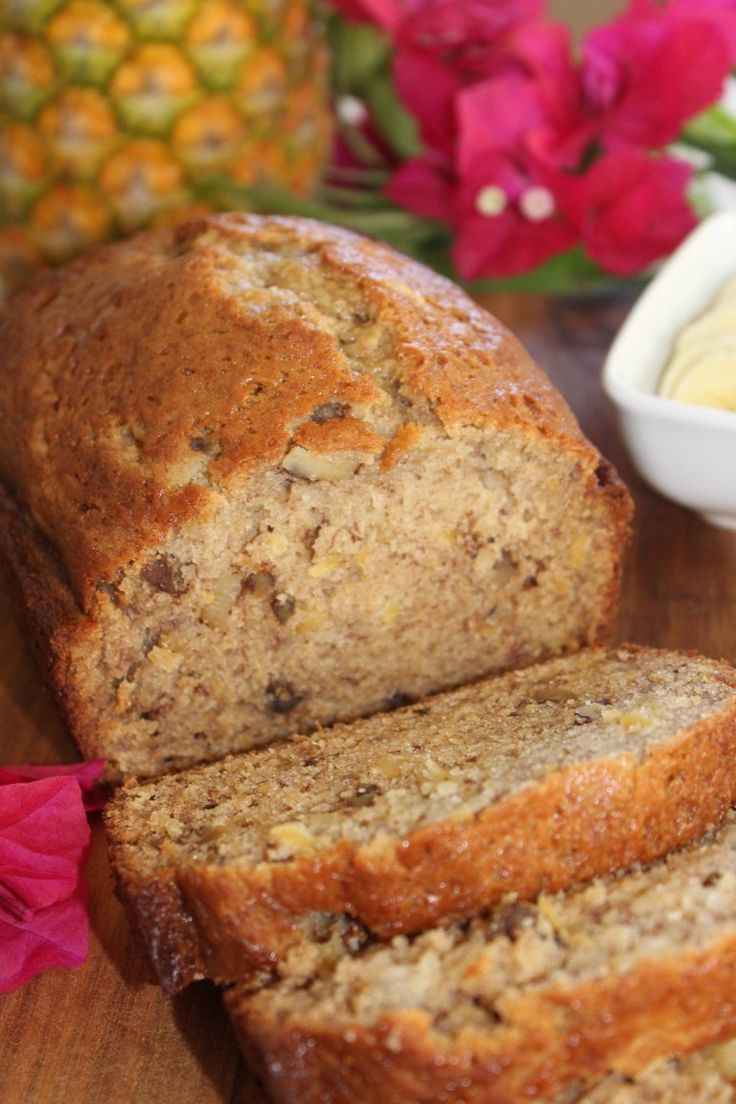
(671, 374)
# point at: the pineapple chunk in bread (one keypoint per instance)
(262, 474)
(534, 1001)
(531, 780)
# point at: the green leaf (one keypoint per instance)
(713, 127)
(722, 157)
(565, 274)
(359, 52)
(388, 223)
(396, 125)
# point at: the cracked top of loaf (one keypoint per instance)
(147, 379)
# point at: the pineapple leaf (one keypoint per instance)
(359, 53)
(395, 123)
(400, 228)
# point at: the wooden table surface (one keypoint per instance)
(102, 1034)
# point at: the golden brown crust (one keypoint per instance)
(338, 435)
(44, 605)
(172, 943)
(622, 509)
(545, 1040)
(574, 824)
(101, 380)
(403, 439)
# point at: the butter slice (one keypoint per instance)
(702, 370)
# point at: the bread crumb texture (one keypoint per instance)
(527, 781)
(571, 998)
(283, 476)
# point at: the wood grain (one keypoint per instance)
(102, 1033)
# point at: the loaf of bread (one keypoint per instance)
(531, 1002)
(261, 475)
(530, 780)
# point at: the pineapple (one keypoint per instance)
(112, 112)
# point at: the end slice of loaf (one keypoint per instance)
(528, 781)
(532, 1002)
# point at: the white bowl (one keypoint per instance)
(686, 452)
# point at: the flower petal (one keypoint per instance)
(508, 245)
(422, 185)
(44, 838)
(54, 936)
(495, 115)
(631, 208)
(427, 87)
(642, 78)
(87, 775)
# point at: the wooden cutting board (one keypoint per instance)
(103, 1034)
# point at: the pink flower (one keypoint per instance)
(54, 936)
(649, 71)
(493, 192)
(442, 46)
(441, 23)
(449, 46)
(528, 152)
(424, 184)
(44, 841)
(630, 208)
(94, 794)
(506, 227)
(461, 28)
(722, 11)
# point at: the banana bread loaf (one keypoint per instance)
(261, 474)
(530, 780)
(532, 1001)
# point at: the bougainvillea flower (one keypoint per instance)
(506, 222)
(528, 151)
(630, 208)
(506, 218)
(424, 184)
(639, 82)
(427, 88)
(55, 936)
(44, 843)
(724, 11)
(446, 26)
(431, 69)
(442, 46)
(43, 838)
(87, 775)
(498, 114)
(442, 22)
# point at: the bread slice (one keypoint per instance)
(532, 1001)
(261, 474)
(531, 780)
(706, 1076)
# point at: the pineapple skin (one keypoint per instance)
(112, 112)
